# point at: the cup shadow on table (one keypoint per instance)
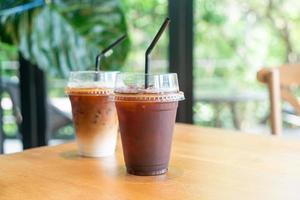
(119, 171)
(70, 155)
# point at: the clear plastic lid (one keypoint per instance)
(91, 83)
(154, 97)
(147, 87)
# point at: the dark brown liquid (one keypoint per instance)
(146, 131)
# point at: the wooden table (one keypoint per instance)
(205, 164)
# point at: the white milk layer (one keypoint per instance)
(102, 143)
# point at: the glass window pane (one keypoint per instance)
(233, 40)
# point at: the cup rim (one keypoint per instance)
(148, 97)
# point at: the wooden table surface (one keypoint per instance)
(205, 164)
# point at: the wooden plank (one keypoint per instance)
(205, 164)
(275, 102)
(289, 74)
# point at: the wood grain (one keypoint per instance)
(275, 103)
(205, 164)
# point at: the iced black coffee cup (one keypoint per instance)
(146, 119)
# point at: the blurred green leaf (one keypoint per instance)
(67, 35)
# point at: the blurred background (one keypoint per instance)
(215, 46)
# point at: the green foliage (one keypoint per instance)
(233, 40)
(7, 52)
(211, 12)
(67, 35)
(144, 18)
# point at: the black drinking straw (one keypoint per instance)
(107, 51)
(151, 46)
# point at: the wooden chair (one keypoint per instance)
(279, 81)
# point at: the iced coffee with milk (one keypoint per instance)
(94, 114)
